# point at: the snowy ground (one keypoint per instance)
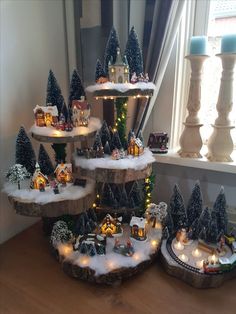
(188, 249)
(94, 125)
(130, 162)
(124, 87)
(111, 261)
(70, 192)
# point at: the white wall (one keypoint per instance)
(32, 42)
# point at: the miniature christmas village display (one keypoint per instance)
(197, 246)
(105, 252)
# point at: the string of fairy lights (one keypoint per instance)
(121, 107)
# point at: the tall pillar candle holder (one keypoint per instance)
(220, 143)
(190, 140)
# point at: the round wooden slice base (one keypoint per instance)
(195, 279)
(62, 139)
(117, 176)
(52, 209)
(135, 92)
(114, 277)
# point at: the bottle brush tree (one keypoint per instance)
(54, 95)
(133, 54)
(99, 71)
(177, 209)
(220, 208)
(111, 49)
(76, 88)
(195, 204)
(44, 161)
(25, 155)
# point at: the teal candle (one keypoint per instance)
(198, 45)
(228, 44)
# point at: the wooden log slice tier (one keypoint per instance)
(194, 278)
(113, 277)
(62, 139)
(52, 135)
(52, 209)
(117, 176)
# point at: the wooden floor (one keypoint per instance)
(33, 282)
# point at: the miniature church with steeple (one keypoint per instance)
(119, 70)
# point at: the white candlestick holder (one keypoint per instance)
(220, 143)
(190, 140)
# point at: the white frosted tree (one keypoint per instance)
(16, 174)
(177, 209)
(195, 204)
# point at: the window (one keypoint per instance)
(213, 18)
(222, 21)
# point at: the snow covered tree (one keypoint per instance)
(107, 195)
(25, 155)
(16, 174)
(76, 88)
(220, 208)
(115, 142)
(64, 111)
(194, 229)
(99, 71)
(105, 134)
(195, 203)
(212, 232)
(111, 49)
(80, 225)
(135, 194)
(124, 202)
(44, 161)
(54, 95)
(92, 215)
(60, 233)
(203, 234)
(134, 54)
(107, 149)
(204, 220)
(97, 142)
(168, 223)
(177, 209)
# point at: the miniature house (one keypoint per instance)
(138, 228)
(39, 180)
(80, 112)
(45, 115)
(157, 142)
(63, 173)
(135, 147)
(118, 71)
(110, 226)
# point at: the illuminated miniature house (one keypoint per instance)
(110, 226)
(63, 173)
(118, 71)
(138, 228)
(80, 112)
(45, 115)
(135, 147)
(39, 180)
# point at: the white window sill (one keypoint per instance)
(173, 158)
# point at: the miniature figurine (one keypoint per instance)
(126, 250)
(157, 142)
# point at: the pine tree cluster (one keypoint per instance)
(86, 222)
(201, 222)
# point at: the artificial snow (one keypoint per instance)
(103, 264)
(129, 162)
(69, 192)
(121, 87)
(93, 125)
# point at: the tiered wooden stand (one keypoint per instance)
(190, 275)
